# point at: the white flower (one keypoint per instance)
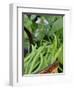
(38, 21)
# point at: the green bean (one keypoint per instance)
(48, 55)
(27, 68)
(41, 62)
(37, 63)
(44, 64)
(28, 60)
(35, 58)
(33, 51)
(27, 63)
(53, 50)
(56, 54)
(45, 59)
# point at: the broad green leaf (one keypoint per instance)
(57, 25)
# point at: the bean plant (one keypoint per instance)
(43, 42)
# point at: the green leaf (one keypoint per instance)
(27, 22)
(57, 25)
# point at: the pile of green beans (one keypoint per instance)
(41, 57)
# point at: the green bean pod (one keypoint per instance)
(40, 65)
(35, 58)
